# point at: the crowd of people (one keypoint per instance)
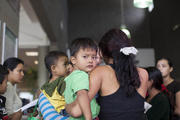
(81, 88)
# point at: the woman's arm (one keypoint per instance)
(177, 107)
(74, 109)
(95, 82)
(143, 75)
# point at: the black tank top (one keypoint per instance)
(118, 106)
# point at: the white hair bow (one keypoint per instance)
(129, 50)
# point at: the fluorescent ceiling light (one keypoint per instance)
(143, 3)
(126, 31)
(31, 53)
(151, 7)
(36, 62)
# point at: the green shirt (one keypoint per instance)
(79, 80)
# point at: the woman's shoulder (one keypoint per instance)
(10, 86)
(175, 82)
(143, 74)
(104, 72)
(10, 90)
(102, 68)
(141, 70)
(175, 85)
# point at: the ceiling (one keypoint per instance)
(31, 34)
(53, 18)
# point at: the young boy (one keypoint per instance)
(83, 53)
(3, 85)
(57, 65)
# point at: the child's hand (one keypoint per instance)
(38, 93)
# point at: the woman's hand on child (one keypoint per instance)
(73, 109)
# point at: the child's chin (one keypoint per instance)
(89, 70)
(20, 81)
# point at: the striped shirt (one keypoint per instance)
(47, 110)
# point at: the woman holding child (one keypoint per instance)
(121, 85)
(166, 67)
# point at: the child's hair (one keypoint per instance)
(51, 59)
(156, 76)
(11, 63)
(3, 73)
(82, 43)
(110, 45)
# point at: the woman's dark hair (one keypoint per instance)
(3, 73)
(124, 65)
(82, 43)
(11, 63)
(156, 76)
(168, 60)
(51, 59)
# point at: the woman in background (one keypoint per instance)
(15, 67)
(160, 109)
(166, 67)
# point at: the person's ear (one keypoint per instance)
(171, 69)
(73, 60)
(53, 67)
(151, 83)
(9, 70)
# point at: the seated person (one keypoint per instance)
(3, 85)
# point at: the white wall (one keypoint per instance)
(146, 57)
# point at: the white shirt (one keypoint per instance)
(13, 102)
